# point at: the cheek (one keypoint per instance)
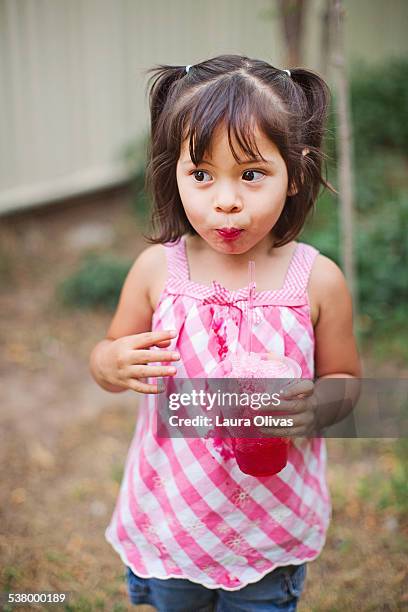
(194, 214)
(183, 193)
(193, 204)
(273, 201)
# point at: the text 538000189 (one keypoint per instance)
(40, 597)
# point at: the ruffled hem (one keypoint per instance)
(213, 585)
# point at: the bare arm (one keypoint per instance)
(120, 360)
(335, 346)
(336, 354)
(317, 404)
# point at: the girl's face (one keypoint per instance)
(221, 194)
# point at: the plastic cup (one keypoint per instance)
(261, 456)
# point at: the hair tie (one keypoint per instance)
(188, 68)
(287, 71)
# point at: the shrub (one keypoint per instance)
(379, 97)
(135, 154)
(379, 100)
(382, 247)
(97, 282)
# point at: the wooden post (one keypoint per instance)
(325, 37)
(344, 146)
(292, 13)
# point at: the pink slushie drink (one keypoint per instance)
(261, 456)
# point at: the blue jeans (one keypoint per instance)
(278, 590)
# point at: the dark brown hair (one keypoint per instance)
(242, 93)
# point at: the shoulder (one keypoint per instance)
(326, 275)
(327, 285)
(134, 311)
(145, 264)
(151, 257)
(152, 265)
(335, 344)
(149, 266)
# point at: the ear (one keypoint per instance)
(293, 190)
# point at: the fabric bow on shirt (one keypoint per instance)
(222, 295)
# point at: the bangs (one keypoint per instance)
(235, 103)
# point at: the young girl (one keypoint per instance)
(234, 169)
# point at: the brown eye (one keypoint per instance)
(250, 174)
(199, 175)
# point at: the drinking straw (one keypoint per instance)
(251, 289)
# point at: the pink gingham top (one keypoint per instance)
(185, 510)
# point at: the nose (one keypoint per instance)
(227, 202)
(228, 208)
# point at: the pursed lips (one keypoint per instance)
(229, 229)
(229, 233)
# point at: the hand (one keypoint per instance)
(124, 362)
(298, 402)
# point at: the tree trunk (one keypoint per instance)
(344, 145)
(325, 37)
(292, 14)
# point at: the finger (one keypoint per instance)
(144, 371)
(140, 387)
(301, 424)
(163, 343)
(297, 387)
(293, 406)
(282, 432)
(142, 356)
(147, 339)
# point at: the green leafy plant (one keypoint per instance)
(135, 154)
(379, 97)
(97, 282)
(380, 132)
(389, 493)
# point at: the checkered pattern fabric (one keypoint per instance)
(185, 509)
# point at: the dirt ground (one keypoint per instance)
(63, 440)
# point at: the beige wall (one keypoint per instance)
(72, 83)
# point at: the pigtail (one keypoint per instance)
(314, 105)
(160, 86)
